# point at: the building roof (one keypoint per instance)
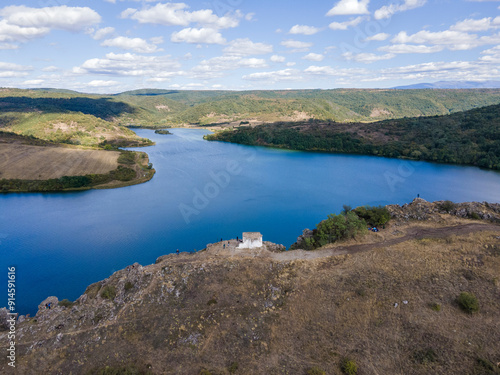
(252, 235)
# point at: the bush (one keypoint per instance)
(108, 292)
(436, 307)
(338, 227)
(233, 367)
(315, 371)
(468, 302)
(128, 285)
(349, 366)
(425, 356)
(126, 157)
(375, 216)
(486, 367)
(66, 303)
(123, 173)
(447, 206)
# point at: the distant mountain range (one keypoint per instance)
(453, 85)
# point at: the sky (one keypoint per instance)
(111, 46)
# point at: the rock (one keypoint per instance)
(4, 316)
(53, 301)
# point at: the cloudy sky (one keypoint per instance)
(109, 46)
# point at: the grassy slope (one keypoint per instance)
(205, 107)
(65, 117)
(192, 312)
(161, 108)
(471, 137)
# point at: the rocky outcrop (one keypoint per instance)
(420, 209)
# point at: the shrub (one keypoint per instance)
(447, 206)
(128, 285)
(349, 366)
(375, 216)
(315, 371)
(436, 306)
(212, 301)
(108, 292)
(123, 173)
(66, 303)
(233, 367)
(425, 356)
(126, 157)
(338, 227)
(468, 302)
(486, 367)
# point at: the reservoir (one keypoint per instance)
(202, 192)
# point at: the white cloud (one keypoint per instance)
(476, 25)
(348, 7)
(156, 40)
(340, 72)
(8, 46)
(33, 82)
(439, 71)
(296, 45)
(314, 57)
(454, 40)
(304, 30)
(15, 33)
(388, 10)
(291, 63)
(378, 37)
(51, 68)
(129, 64)
(345, 25)
(175, 14)
(14, 67)
(275, 76)
(411, 48)
(277, 58)
(133, 44)
(102, 83)
(102, 33)
(213, 67)
(247, 47)
(367, 58)
(22, 24)
(203, 36)
(59, 17)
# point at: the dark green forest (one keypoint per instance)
(470, 137)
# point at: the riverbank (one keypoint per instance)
(390, 305)
(33, 165)
(465, 138)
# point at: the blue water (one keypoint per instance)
(202, 192)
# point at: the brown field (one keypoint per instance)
(19, 161)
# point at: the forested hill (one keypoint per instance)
(71, 117)
(471, 137)
(170, 107)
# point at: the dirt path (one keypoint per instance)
(412, 234)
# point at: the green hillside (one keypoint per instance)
(88, 119)
(210, 107)
(471, 137)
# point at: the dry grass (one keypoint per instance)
(18, 161)
(193, 312)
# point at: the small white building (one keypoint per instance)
(251, 240)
